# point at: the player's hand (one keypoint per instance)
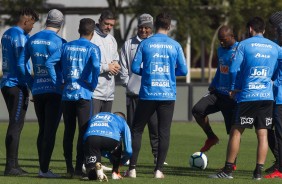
(233, 93)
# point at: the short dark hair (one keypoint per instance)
(28, 12)
(121, 114)
(163, 20)
(86, 26)
(107, 14)
(257, 23)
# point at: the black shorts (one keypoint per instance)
(254, 113)
(95, 145)
(215, 102)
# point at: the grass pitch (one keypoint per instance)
(186, 138)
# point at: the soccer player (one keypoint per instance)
(255, 61)
(104, 93)
(133, 81)
(46, 95)
(159, 59)
(80, 62)
(276, 144)
(105, 135)
(13, 88)
(218, 98)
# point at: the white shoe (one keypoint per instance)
(48, 174)
(158, 174)
(127, 163)
(105, 168)
(100, 174)
(116, 176)
(155, 162)
(130, 173)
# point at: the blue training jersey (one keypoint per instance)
(39, 48)
(110, 125)
(13, 42)
(80, 63)
(255, 61)
(159, 59)
(221, 80)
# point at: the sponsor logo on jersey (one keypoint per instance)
(160, 46)
(74, 72)
(169, 95)
(43, 80)
(40, 70)
(259, 55)
(104, 124)
(73, 86)
(157, 55)
(104, 117)
(159, 68)
(160, 83)
(224, 69)
(257, 86)
(261, 45)
(268, 121)
(255, 95)
(246, 120)
(40, 42)
(259, 72)
(37, 54)
(80, 49)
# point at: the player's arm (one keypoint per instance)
(235, 68)
(137, 61)
(126, 138)
(181, 67)
(50, 64)
(22, 67)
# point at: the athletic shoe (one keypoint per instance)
(272, 168)
(257, 174)
(221, 175)
(105, 168)
(127, 163)
(130, 173)
(15, 172)
(158, 174)
(234, 167)
(209, 143)
(70, 172)
(275, 174)
(100, 174)
(48, 174)
(116, 176)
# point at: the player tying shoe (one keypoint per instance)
(105, 135)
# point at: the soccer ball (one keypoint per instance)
(198, 160)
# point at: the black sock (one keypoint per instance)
(228, 167)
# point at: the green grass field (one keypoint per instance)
(186, 138)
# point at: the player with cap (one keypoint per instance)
(13, 88)
(46, 95)
(275, 136)
(132, 81)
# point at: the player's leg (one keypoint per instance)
(144, 110)
(131, 104)
(16, 99)
(273, 145)
(84, 113)
(53, 112)
(97, 105)
(107, 106)
(205, 106)
(165, 111)
(153, 135)
(69, 114)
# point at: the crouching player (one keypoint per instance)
(105, 134)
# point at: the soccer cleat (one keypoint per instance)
(116, 176)
(257, 174)
(158, 174)
(272, 168)
(130, 173)
(234, 167)
(15, 172)
(221, 175)
(48, 174)
(209, 143)
(100, 174)
(275, 174)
